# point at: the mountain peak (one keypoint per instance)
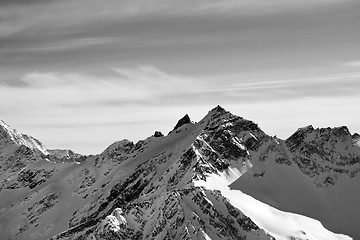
(308, 134)
(158, 134)
(341, 131)
(10, 134)
(356, 136)
(307, 128)
(188, 185)
(218, 108)
(184, 120)
(216, 112)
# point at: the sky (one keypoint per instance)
(80, 75)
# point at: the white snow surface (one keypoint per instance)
(287, 188)
(22, 139)
(282, 225)
(357, 143)
(69, 176)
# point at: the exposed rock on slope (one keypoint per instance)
(184, 120)
(154, 189)
(315, 172)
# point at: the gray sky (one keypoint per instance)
(82, 74)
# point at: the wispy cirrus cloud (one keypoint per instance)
(126, 98)
(14, 83)
(148, 85)
(54, 56)
(147, 78)
(354, 63)
(29, 18)
(64, 33)
(53, 46)
(23, 2)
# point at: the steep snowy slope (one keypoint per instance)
(315, 172)
(10, 138)
(173, 187)
(147, 185)
(16, 152)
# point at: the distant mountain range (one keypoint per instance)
(219, 178)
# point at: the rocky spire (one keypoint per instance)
(184, 120)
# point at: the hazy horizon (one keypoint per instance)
(81, 75)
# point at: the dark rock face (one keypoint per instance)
(11, 166)
(160, 198)
(158, 134)
(184, 120)
(33, 178)
(298, 137)
(155, 185)
(320, 151)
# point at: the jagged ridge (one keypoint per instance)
(150, 190)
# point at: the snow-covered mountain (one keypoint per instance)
(315, 172)
(185, 185)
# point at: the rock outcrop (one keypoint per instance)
(156, 188)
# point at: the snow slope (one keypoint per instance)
(317, 178)
(282, 225)
(9, 135)
(163, 187)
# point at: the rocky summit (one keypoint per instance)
(219, 178)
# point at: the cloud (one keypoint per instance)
(4, 3)
(354, 63)
(59, 31)
(153, 79)
(50, 79)
(53, 55)
(56, 45)
(149, 86)
(94, 105)
(142, 85)
(81, 124)
(15, 83)
(54, 16)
